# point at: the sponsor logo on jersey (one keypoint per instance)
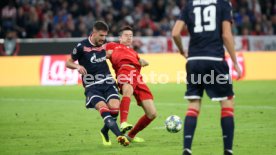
(94, 59)
(90, 49)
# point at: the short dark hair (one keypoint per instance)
(100, 25)
(125, 28)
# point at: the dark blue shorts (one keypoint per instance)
(212, 76)
(100, 92)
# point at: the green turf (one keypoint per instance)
(53, 120)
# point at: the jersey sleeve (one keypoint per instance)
(77, 52)
(184, 14)
(227, 11)
(110, 46)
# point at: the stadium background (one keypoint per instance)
(35, 119)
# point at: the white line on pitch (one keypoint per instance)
(164, 104)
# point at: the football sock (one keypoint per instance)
(109, 121)
(189, 127)
(124, 108)
(114, 113)
(227, 125)
(143, 122)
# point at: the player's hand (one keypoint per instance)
(81, 70)
(238, 70)
(109, 53)
(143, 63)
(184, 54)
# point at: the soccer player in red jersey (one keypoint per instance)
(127, 65)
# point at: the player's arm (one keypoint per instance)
(176, 31)
(75, 55)
(228, 40)
(108, 53)
(109, 47)
(72, 65)
(143, 62)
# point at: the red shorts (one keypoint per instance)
(130, 75)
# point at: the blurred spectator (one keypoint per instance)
(10, 46)
(257, 31)
(274, 24)
(72, 18)
(9, 14)
(137, 44)
(32, 24)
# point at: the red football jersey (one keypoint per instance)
(122, 55)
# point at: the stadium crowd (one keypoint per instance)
(75, 18)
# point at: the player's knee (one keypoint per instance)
(227, 103)
(101, 105)
(127, 90)
(113, 103)
(152, 115)
(127, 94)
(194, 104)
(194, 101)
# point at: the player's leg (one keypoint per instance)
(222, 91)
(94, 96)
(127, 91)
(114, 106)
(126, 77)
(144, 121)
(190, 123)
(194, 94)
(227, 125)
(144, 98)
(113, 103)
(110, 123)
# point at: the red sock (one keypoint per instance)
(192, 112)
(124, 108)
(227, 112)
(114, 112)
(143, 122)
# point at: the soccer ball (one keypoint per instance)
(173, 124)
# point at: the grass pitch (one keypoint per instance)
(53, 120)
